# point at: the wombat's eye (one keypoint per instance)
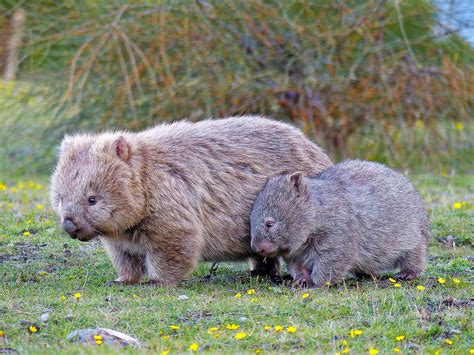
(92, 200)
(269, 224)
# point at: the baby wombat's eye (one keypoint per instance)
(269, 224)
(92, 200)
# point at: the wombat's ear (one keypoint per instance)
(297, 180)
(121, 148)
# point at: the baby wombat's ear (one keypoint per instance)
(121, 147)
(297, 182)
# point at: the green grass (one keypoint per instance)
(37, 269)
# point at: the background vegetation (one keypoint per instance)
(383, 80)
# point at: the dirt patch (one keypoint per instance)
(26, 251)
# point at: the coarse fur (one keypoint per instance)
(163, 199)
(356, 216)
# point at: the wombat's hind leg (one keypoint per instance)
(412, 263)
(270, 267)
(168, 269)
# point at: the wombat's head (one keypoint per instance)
(95, 189)
(279, 214)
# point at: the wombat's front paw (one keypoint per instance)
(302, 281)
(407, 275)
(158, 283)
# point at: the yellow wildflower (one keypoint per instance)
(448, 341)
(2, 333)
(39, 187)
(291, 329)
(400, 337)
(63, 298)
(77, 295)
(396, 350)
(3, 187)
(420, 288)
(165, 352)
(10, 205)
(278, 328)
(397, 285)
(26, 234)
(232, 326)
(354, 332)
(441, 280)
(174, 327)
(212, 330)
(258, 351)
(194, 347)
(456, 281)
(253, 299)
(344, 342)
(28, 221)
(33, 328)
(304, 296)
(328, 283)
(392, 280)
(238, 295)
(346, 351)
(39, 206)
(98, 339)
(471, 351)
(240, 336)
(31, 184)
(459, 126)
(251, 291)
(266, 327)
(457, 205)
(373, 351)
(166, 337)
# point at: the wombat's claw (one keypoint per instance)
(406, 275)
(276, 279)
(301, 282)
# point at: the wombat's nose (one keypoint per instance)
(70, 227)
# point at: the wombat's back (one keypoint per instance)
(384, 211)
(217, 167)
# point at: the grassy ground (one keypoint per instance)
(43, 271)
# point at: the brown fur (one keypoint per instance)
(176, 194)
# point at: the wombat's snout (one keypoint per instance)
(70, 227)
(262, 247)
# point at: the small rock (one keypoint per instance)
(69, 317)
(109, 337)
(44, 317)
(243, 319)
(183, 298)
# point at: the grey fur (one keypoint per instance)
(356, 216)
(175, 194)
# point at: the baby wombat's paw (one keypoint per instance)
(407, 275)
(303, 281)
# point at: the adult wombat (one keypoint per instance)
(163, 199)
(355, 216)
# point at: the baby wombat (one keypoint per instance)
(163, 199)
(356, 216)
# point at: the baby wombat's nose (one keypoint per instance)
(70, 227)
